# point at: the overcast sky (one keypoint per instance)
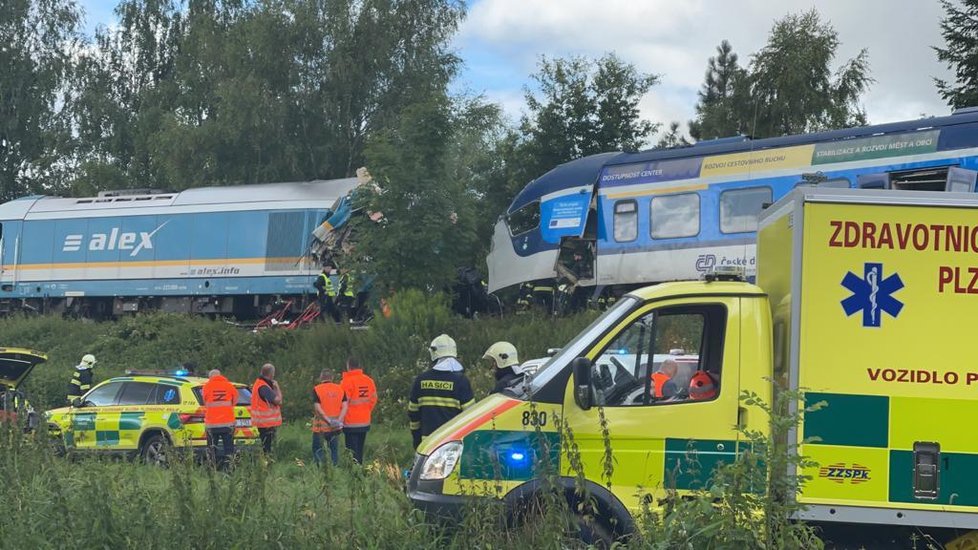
(501, 40)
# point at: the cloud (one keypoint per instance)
(675, 38)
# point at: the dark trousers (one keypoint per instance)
(332, 439)
(267, 436)
(220, 446)
(327, 308)
(354, 439)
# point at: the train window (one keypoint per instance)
(675, 216)
(524, 219)
(739, 208)
(626, 221)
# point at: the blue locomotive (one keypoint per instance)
(625, 219)
(217, 250)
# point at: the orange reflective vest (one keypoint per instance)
(659, 380)
(330, 397)
(361, 395)
(219, 399)
(263, 413)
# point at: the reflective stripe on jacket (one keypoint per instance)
(361, 395)
(219, 399)
(330, 397)
(263, 413)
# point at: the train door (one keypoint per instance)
(576, 259)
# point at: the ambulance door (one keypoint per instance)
(135, 401)
(642, 444)
(90, 422)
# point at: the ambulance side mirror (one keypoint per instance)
(582, 382)
(77, 403)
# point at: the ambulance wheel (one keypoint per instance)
(592, 532)
(155, 450)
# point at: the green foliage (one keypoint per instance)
(583, 107)
(38, 38)
(789, 87)
(721, 105)
(393, 350)
(182, 94)
(793, 86)
(429, 225)
(959, 27)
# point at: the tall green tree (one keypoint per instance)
(583, 107)
(959, 27)
(793, 88)
(232, 91)
(721, 99)
(429, 225)
(37, 40)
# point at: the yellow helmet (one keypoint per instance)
(503, 353)
(88, 360)
(442, 346)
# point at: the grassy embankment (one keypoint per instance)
(57, 503)
(288, 503)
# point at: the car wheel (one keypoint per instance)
(155, 450)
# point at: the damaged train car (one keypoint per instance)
(235, 250)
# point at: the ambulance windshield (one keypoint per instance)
(584, 339)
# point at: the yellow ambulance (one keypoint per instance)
(863, 298)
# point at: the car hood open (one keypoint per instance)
(16, 364)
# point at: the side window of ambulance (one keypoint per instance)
(103, 396)
(137, 393)
(167, 395)
(672, 355)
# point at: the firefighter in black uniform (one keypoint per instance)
(81, 379)
(439, 393)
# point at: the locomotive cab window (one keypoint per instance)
(626, 221)
(675, 216)
(739, 208)
(524, 219)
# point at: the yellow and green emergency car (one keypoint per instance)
(144, 414)
(863, 299)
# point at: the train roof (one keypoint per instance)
(307, 194)
(586, 170)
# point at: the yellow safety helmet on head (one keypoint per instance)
(88, 360)
(442, 346)
(503, 353)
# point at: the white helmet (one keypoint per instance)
(503, 353)
(442, 346)
(88, 360)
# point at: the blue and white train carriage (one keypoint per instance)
(671, 214)
(222, 250)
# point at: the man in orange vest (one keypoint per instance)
(219, 396)
(329, 403)
(662, 384)
(362, 395)
(266, 406)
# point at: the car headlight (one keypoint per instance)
(441, 462)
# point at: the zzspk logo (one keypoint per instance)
(872, 294)
(840, 473)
